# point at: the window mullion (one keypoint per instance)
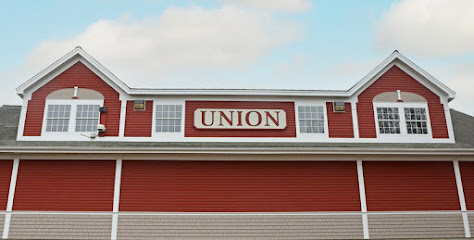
(72, 118)
(403, 122)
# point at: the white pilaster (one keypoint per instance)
(118, 177)
(11, 195)
(462, 200)
(363, 201)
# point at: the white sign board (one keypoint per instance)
(213, 118)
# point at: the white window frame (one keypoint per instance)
(167, 136)
(72, 116)
(311, 136)
(403, 136)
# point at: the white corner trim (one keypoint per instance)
(11, 195)
(363, 200)
(355, 120)
(116, 205)
(123, 115)
(462, 200)
(21, 123)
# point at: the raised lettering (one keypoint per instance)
(247, 118)
(203, 119)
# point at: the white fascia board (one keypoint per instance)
(234, 150)
(66, 58)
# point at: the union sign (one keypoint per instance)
(235, 119)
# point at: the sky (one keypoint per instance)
(270, 44)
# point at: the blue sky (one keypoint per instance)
(285, 44)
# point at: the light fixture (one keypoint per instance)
(339, 106)
(139, 105)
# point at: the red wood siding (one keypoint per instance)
(5, 176)
(139, 123)
(81, 76)
(206, 186)
(410, 186)
(62, 185)
(467, 176)
(191, 131)
(396, 79)
(340, 123)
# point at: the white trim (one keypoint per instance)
(118, 177)
(11, 195)
(355, 120)
(239, 213)
(363, 201)
(449, 122)
(80, 54)
(21, 123)
(246, 150)
(123, 117)
(462, 200)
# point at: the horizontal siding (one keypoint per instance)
(58, 185)
(470, 217)
(391, 81)
(139, 123)
(191, 131)
(340, 123)
(5, 177)
(60, 226)
(2, 222)
(416, 226)
(240, 227)
(81, 76)
(208, 186)
(467, 177)
(407, 186)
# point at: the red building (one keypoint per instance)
(86, 156)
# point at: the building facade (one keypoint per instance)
(86, 156)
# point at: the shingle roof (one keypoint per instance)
(9, 118)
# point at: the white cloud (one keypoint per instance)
(428, 27)
(274, 5)
(458, 76)
(181, 39)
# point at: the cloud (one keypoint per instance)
(181, 39)
(458, 76)
(274, 5)
(428, 27)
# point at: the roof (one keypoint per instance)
(9, 119)
(78, 54)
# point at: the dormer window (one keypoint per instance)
(72, 110)
(401, 114)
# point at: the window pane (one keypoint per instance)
(87, 118)
(57, 119)
(389, 120)
(168, 118)
(311, 119)
(416, 120)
